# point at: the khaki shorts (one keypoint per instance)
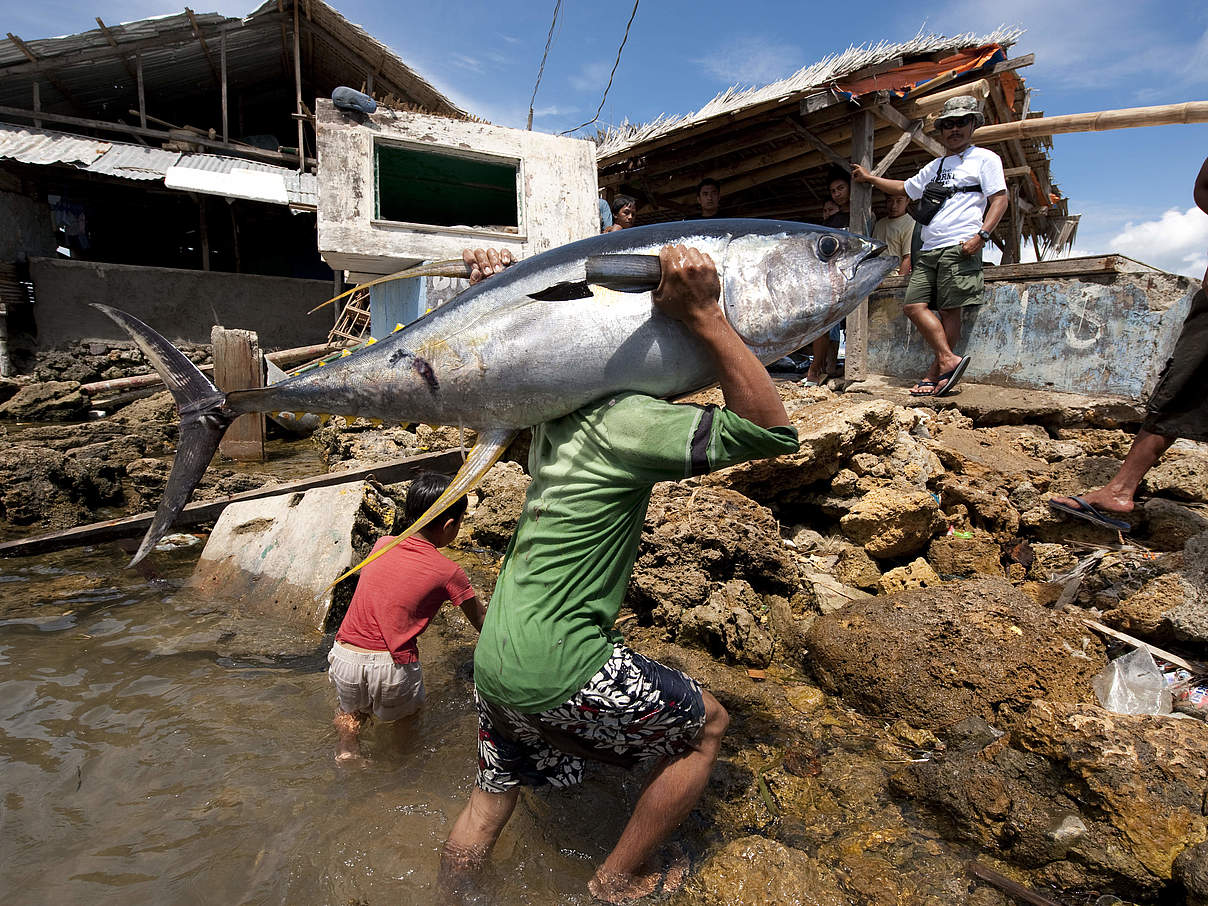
(371, 681)
(945, 278)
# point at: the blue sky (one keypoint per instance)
(1133, 187)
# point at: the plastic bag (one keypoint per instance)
(1133, 684)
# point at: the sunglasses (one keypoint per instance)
(958, 123)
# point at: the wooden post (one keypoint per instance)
(37, 104)
(856, 358)
(239, 365)
(298, 94)
(142, 98)
(204, 231)
(226, 137)
(1011, 252)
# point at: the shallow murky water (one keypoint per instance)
(154, 749)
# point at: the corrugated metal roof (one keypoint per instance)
(134, 162)
(41, 146)
(129, 161)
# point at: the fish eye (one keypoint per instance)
(828, 246)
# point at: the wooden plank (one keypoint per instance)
(37, 104)
(856, 356)
(113, 43)
(239, 365)
(898, 147)
(142, 96)
(818, 144)
(1008, 172)
(1192, 666)
(298, 93)
(222, 60)
(895, 117)
(205, 49)
(209, 510)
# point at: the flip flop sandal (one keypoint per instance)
(1086, 511)
(917, 389)
(953, 377)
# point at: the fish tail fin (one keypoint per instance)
(203, 420)
(484, 454)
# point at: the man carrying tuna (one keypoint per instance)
(959, 200)
(555, 685)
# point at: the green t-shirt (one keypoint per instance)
(549, 627)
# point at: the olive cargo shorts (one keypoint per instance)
(945, 278)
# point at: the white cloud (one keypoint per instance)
(751, 60)
(591, 77)
(1176, 242)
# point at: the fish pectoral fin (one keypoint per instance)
(625, 273)
(562, 292)
(484, 454)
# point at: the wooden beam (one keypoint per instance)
(1099, 121)
(222, 59)
(113, 43)
(37, 104)
(237, 150)
(142, 97)
(239, 365)
(918, 109)
(298, 93)
(818, 144)
(860, 220)
(54, 81)
(898, 147)
(894, 117)
(178, 36)
(209, 510)
(1009, 172)
(204, 47)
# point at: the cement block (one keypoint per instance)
(276, 556)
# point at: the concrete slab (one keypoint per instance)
(277, 555)
(989, 404)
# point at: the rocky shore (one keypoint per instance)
(893, 617)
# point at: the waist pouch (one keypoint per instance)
(934, 196)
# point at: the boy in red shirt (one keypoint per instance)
(374, 663)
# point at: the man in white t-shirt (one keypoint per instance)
(947, 274)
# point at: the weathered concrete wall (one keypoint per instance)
(556, 185)
(1100, 332)
(26, 228)
(181, 304)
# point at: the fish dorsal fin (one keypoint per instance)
(485, 453)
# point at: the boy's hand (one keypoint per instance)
(485, 262)
(689, 289)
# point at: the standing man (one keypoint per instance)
(708, 195)
(947, 273)
(554, 683)
(896, 230)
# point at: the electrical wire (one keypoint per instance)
(610, 75)
(548, 41)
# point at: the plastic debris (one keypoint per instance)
(1133, 684)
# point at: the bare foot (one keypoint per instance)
(667, 870)
(1102, 500)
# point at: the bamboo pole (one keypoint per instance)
(1099, 121)
(918, 109)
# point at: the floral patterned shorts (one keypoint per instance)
(633, 711)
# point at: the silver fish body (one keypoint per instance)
(504, 355)
(547, 336)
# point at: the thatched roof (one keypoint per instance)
(804, 81)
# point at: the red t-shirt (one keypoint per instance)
(398, 594)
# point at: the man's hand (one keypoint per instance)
(689, 289)
(860, 174)
(485, 262)
(972, 246)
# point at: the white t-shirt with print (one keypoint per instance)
(962, 214)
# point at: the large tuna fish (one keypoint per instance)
(548, 335)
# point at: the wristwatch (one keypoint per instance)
(985, 237)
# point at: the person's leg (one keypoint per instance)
(951, 319)
(670, 793)
(474, 833)
(1117, 495)
(932, 327)
(348, 730)
(818, 353)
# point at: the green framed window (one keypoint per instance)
(445, 189)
